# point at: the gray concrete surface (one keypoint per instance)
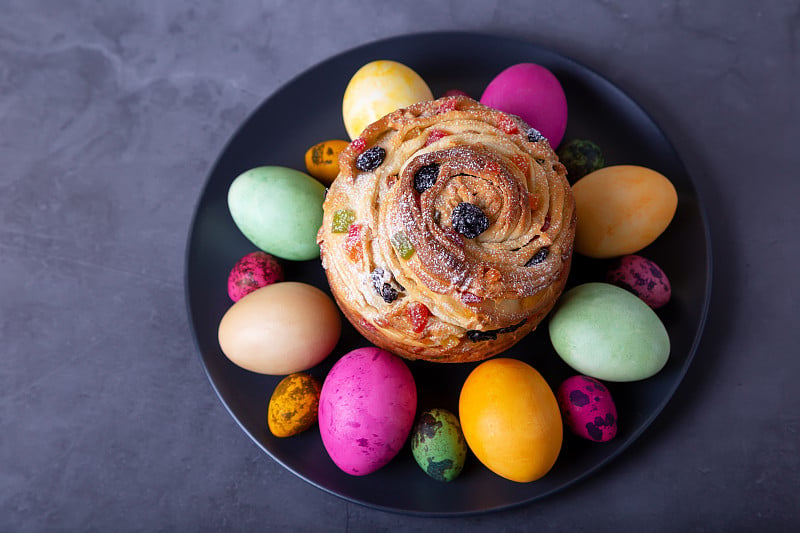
(111, 114)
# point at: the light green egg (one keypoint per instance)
(278, 209)
(606, 332)
(438, 444)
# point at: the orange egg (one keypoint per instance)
(322, 160)
(621, 209)
(510, 419)
(293, 405)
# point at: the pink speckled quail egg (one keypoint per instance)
(642, 277)
(587, 408)
(251, 272)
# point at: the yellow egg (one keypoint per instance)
(377, 89)
(322, 160)
(621, 209)
(510, 419)
(280, 329)
(293, 405)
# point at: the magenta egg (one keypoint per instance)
(534, 94)
(642, 277)
(587, 408)
(455, 92)
(366, 409)
(251, 272)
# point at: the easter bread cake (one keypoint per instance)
(448, 233)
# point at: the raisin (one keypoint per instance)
(476, 335)
(370, 159)
(380, 282)
(538, 257)
(535, 135)
(425, 177)
(388, 293)
(469, 220)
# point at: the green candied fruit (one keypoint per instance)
(342, 219)
(581, 157)
(401, 243)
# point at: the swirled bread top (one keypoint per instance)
(401, 223)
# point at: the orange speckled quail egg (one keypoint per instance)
(377, 89)
(322, 160)
(293, 405)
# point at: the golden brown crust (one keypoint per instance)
(400, 270)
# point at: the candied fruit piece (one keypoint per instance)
(425, 177)
(446, 106)
(469, 220)
(418, 314)
(507, 124)
(470, 298)
(402, 244)
(370, 159)
(342, 219)
(359, 143)
(352, 243)
(522, 163)
(434, 135)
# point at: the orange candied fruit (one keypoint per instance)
(418, 314)
(353, 245)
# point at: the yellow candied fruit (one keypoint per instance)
(342, 219)
(402, 244)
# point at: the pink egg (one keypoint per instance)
(366, 410)
(534, 94)
(642, 277)
(587, 408)
(455, 92)
(251, 272)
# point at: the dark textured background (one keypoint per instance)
(111, 115)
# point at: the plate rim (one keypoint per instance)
(633, 437)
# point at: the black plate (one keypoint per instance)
(308, 110)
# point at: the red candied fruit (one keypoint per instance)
(352, 244)
(507, 124)
(418, 314)
(470, 298)
(358, 144)
(446, 106)
(434, 135)
(522, 163)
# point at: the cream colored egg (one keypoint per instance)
(377, 89)
(280, 329)
(621, 209)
